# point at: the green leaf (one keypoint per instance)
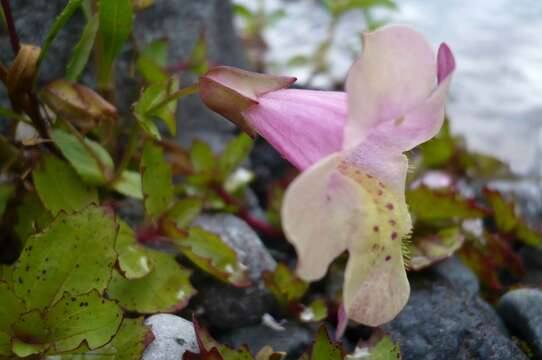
(74, 254)
(133, 260)
(184, 211)
(116, 21)
(156, 180)
(145, 110)
(199, 63)
(129, 184)
(209, 253)
(152, 61)
(5, 344)
(441, 205)
(437, 152)
(386, 349)
(60, 188)
(66, 325)
(316, 311)
(508, 220)
(87, 317)
(59, 23)
(9, 114)
(235, 153)
(82, 50)
(11, 307)
(128, 344)
(285, 285)
(202, 157)
(429, 249)
(32, 216)
(80, 157)
(324, 349)
(6, 190)
(30, 334)
(165, 289)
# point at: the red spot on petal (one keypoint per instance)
(393, 235)
(376, 228)
(388, 258)
(393, 223)
(369, 176)
(380, 192)
(389, 206)
(381, 185)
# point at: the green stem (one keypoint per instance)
(174, 96)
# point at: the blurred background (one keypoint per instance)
(496, 98)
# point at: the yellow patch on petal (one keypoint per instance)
(376, 287)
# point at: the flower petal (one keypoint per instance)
(395, 73)
(376, 287)
(445, 62)
(323, 211)
(303, 125)
(417, 126)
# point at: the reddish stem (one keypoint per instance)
(13, 37)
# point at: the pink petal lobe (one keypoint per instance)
(395, 73)
(322, 212)
(303, 125)
(445, 62)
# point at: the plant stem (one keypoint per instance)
(13, 37)
(174, 96)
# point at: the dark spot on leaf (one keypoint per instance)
(27, 268)
(20, 280)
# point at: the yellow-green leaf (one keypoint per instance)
(156, 180)
(74, 254)
(285, 285)
(165, 289)
(133, 260)
(82, 50)
(60, 188)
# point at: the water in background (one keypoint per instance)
(496, 99)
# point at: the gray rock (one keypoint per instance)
(238, 235)
(293, 340)
(457, 275)
(228, 307)
(521, 310)
(440, 322)
(173, 336)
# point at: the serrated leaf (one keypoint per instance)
(128, 344)
(60, 188)
(11, 307)
(82, 50)
(323, 348)
(30, 334)
(129, 184)
(87, 317)
(430, 205)
(59, 23)
(429, 249)
(74, 254)
(116, 21)
(209, 253)
(165, 289)
(6, 190)
(32, 216)
(133, 260)
(508, 220)
(184, 211)
(156, 180)
(82, 160)
(285, 285)
(235, 153)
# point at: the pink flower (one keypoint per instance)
(351, 194)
